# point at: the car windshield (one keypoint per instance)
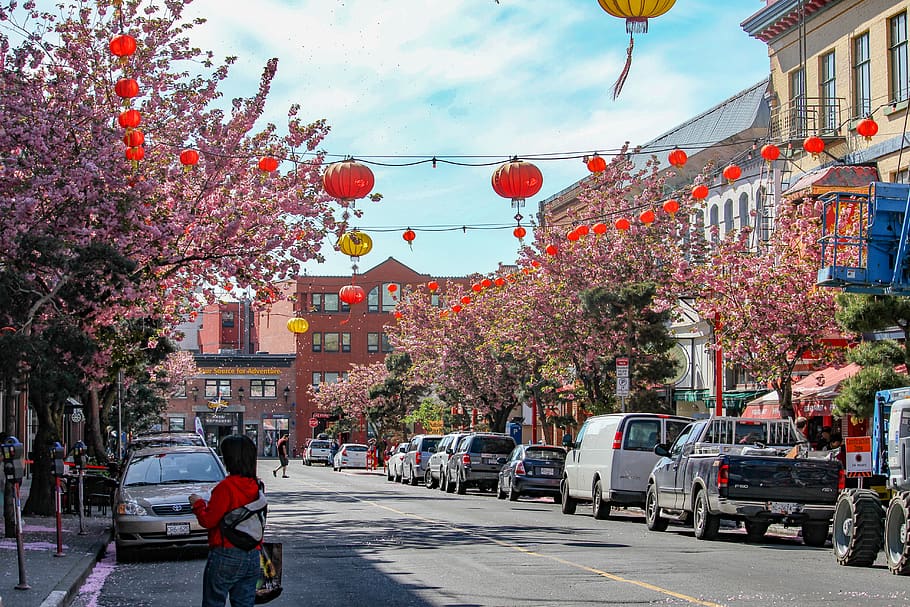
(552, 455)
(173, 468)
(167, 440)
(356, 447)
(492, 444)
(319, 444)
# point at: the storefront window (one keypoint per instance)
(272, 430)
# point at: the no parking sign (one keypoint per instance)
(859, 455)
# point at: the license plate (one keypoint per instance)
(783, 507)
(489, 460)
(177, 529)
(547, 471)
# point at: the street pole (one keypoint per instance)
(533, 420)
(718, 368)
(119, 415)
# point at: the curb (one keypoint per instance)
(69, 586)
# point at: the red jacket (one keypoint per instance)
(233, 492)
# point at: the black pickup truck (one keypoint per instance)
(750, 470)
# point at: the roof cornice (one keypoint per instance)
(779, 17)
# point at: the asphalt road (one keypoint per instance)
(353, 538)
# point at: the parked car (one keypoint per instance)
(350, 455)
(612, 457)
(317, 451)
(416, 462)
(446, 462)
(532, 470)
(164, 439)
(438, 460)
(151, 502)
(393, 463)
(478, 461)
(748, 470)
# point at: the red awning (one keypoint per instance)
(834, 178)
(812, 408)
(762, 411)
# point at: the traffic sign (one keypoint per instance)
(313, 422)
(622, 386)
(859, 455)
(622, 367)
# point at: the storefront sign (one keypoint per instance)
(240, 371)
(859, 455)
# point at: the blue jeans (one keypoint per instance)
(230, 571)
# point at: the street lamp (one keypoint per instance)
(240, 393)
(195, 392)
(287, 392)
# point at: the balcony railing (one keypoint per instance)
(808, 116)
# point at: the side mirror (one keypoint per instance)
(449, 450)
(662, 450)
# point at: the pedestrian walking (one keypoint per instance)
(333, 449)
(230, 571)
(282, 446)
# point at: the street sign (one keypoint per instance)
(622, 367)
(859, 455)
(622, 387)
(313, 422)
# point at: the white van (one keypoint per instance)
(612, 457)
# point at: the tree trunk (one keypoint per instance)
(93, 439)
(41, 494)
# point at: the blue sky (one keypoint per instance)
(423, 78)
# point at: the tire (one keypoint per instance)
(450, 486)
(428, 481)
(756, 530)
(815, 534)
(398, 477)
(653, 518)
(897, 546)
(857, 528)
(500, 494)
(568, 503)
(706, 524)
(557, 498)
(514, 494)
(601, 508)
(460, 486)
(443, 481)
(388, 474)
(413, 478)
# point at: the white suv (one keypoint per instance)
(317, 451)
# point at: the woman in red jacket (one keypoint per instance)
(230, 571)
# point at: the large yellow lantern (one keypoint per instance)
(298, 325)
(636, 13)
(355, 243)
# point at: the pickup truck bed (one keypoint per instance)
(758, 485)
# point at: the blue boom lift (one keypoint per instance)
(865, 249)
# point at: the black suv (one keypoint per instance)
(477, 461)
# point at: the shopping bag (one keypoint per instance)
(269, 585)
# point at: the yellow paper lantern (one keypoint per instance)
(298, 325)
(636, 12)
(355, 243)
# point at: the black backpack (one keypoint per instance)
(245, 526)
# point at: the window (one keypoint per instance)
(176, 424)
(389, 300)
(798, 103)
(386, 344)
(217, 388)
(373, 300)
(901, 176)
(372, 343)
(828, 93)
(345, 342)
(317, 379)
(642, 434)
(227, 319)
(317, 342)
(316, 303)
(677, 447)
(744, 219)
(331, 377)
(180, 390)
(331, 342)
(263, 388)
(434, 300)
(330, 302)
(862, 76)
(897, 52)
(728, 216)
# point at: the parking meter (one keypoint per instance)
(79, 450)
(57, 455)
(13, 467)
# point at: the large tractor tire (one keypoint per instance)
(857, 527)
(897, 546)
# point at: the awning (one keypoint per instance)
(758, 410)
(735, 400)
(691, 395)
(854, 179)
(813, 408)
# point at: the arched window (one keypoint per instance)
(744, 218)
(373, 300)
(728, 216)
(389, 298)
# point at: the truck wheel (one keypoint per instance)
(428, 480)
(653, 518)
(706, 524)
(858, 524)
(756, 530)
(815, 534)
(461, 487)
(897, 548)
(513, 493)
(601, 508)
(450, 484)
(413, 478)
(388, 474)
(443, 481)
(568, 503)
(500, 494)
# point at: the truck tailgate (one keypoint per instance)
(783, 480)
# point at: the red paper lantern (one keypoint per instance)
(409, 235)
(535, 263)
(348, 180)
(770, 152)
(397, 314)
(486, 283)
(133, 138)
(700, 192)
(671, 207)
(432, 286)
(596, 164)
(189, 157)
(732, 172)
(867, 128)
(678, 158)
(123, 45)
(351, 294)
(582, 230)
(572, 236)
(268, 164)
(392, 288)
(499, 281)
(476, 287)
(647, 217)
(517, 180)
(622, 224)
(814, 145)
(126, 88)
(456, 308)
(552, 249)
(465, 300)
(599, 228)
(519, 232)
(135, 154)
(129, 119)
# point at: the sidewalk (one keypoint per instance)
(53, 580)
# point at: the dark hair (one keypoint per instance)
(836, 438)
(239, 455)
